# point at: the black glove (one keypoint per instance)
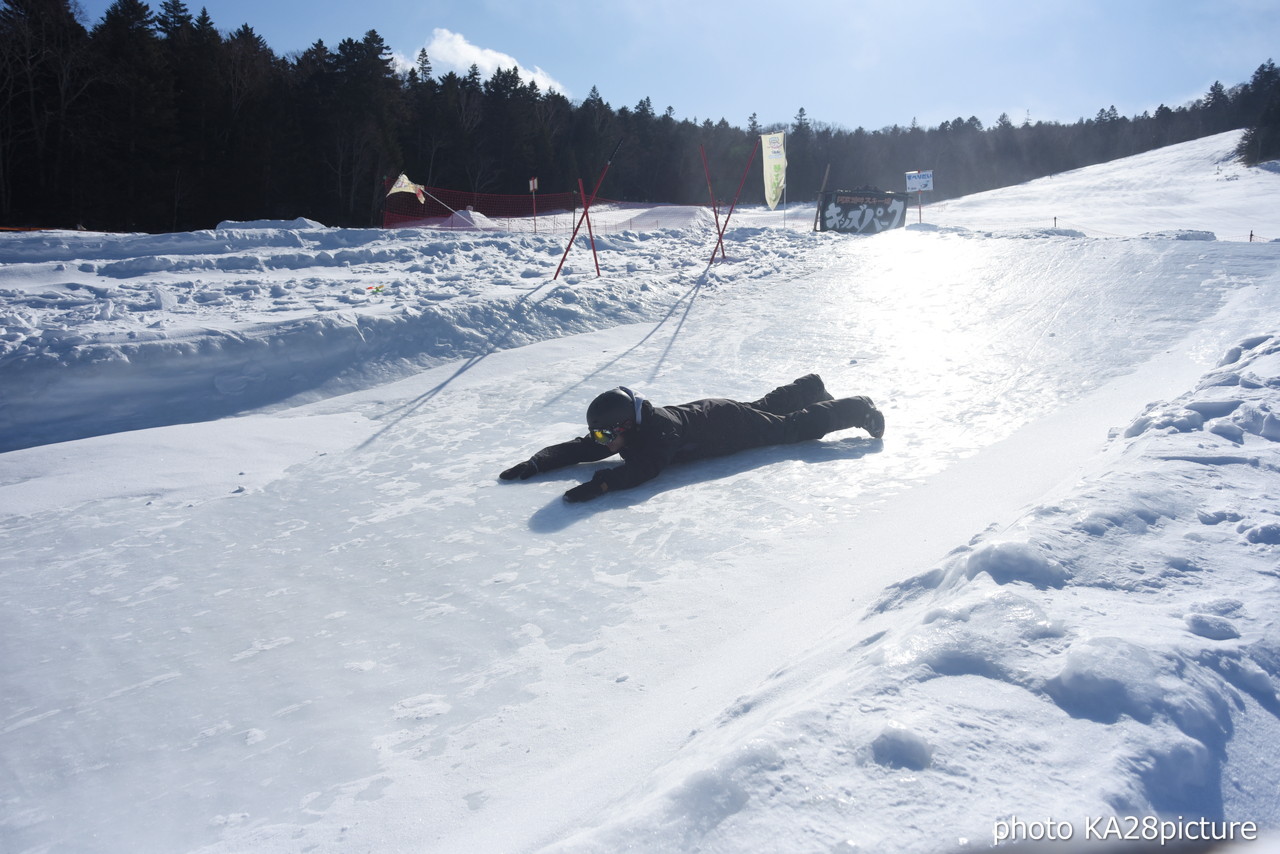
(523, 471)
(585, 492)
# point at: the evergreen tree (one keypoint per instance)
(804, 172)
(317, 177)
(1217, 110)
(1261, 110)
(251, 124)
(133, 101)
(424, 69)
(193, 62)
(422, 137)
(45, 73)
(507, 132)
(174, 20)
(594, 128)
(371, 94)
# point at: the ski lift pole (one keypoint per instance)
(741, 184)
(715, 209)
(586, 206)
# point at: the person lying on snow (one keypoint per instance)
(649, 437)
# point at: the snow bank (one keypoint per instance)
(104, 333)
(467, 220)
(294, 224)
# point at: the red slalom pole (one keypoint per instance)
(572, 238)
(715, 209)
(741, 184)
(590, 233)
(586, 206)
(605, 171)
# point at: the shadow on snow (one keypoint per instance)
(559, 514)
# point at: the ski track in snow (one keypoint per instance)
(1107, 654)
(324, 623)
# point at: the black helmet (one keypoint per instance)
(616, 408)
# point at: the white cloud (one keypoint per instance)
(450, 51)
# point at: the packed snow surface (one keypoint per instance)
(261, 590)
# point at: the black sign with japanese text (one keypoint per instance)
(866, 211)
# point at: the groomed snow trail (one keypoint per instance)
(387, 647)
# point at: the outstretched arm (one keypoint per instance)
(639, 466)
(584, 449)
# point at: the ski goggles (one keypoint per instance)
(606, 435)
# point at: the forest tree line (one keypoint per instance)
(158, 121)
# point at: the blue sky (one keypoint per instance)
(851, 63)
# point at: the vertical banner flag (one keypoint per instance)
(775, 167)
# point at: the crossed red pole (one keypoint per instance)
(586, 207)
(715, 208)
(720, 236)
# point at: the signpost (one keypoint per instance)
(918, 182)
(533, 191)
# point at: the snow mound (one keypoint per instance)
(466, 220)
(1180, 234)
(1032, 233)
(294, 224)
(1007, 562)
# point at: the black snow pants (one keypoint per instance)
(796, 412)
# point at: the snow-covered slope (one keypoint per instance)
(1047, 594)
(1183, 191)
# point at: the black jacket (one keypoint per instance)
(699, 429)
